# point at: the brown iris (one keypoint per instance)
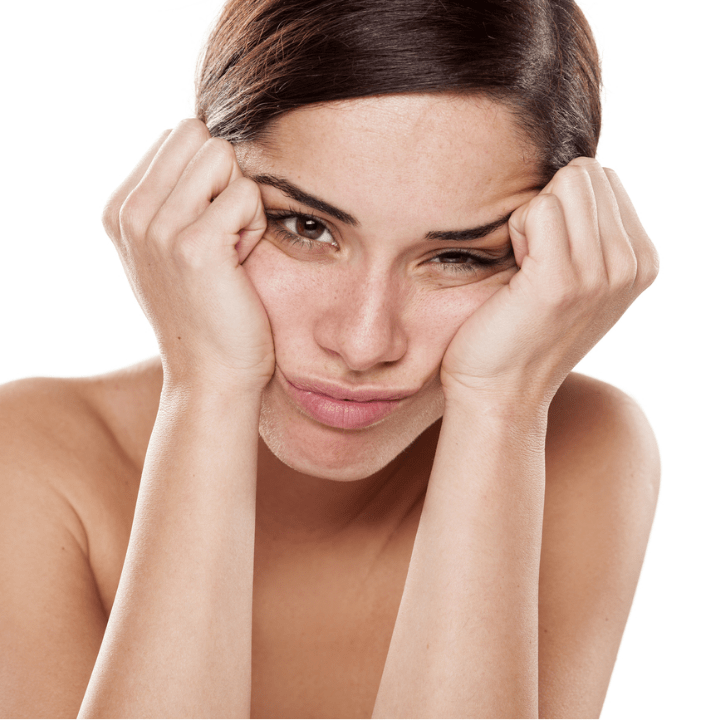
(307, 227)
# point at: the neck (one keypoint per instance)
(297, 508)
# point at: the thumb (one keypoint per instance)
(518, 233)
(539, 230)
(237, 217)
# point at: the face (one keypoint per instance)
(387, 228)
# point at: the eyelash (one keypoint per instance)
(480, 261)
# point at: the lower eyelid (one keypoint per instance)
(292, 237)
(481, 260)
(463, 268)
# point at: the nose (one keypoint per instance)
(362, 322)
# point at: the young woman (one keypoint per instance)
(361, 479)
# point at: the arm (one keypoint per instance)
(178, 641)
(185, 592)
(600, 494)
(466, 638)
(603, 478)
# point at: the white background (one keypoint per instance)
(87, 86)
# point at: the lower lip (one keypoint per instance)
(344, 414)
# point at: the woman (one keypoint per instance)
(384, 246)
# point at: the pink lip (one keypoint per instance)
(346, 408)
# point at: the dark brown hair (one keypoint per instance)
(538, 57)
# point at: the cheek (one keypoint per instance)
(284, 286)
(296, 294)
(436, 315)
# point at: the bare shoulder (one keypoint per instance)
(594, 428)
(78, 445)
(70, 459)
(603, 474)
(52, 436)
(78, 424)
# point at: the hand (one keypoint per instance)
(183, 223)
(583, 258)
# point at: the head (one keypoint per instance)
(412, 122)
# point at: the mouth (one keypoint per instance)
(342, 407)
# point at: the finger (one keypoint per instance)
(539, 229)
(645, 252)
(111, 211)
(517, 225)
(528, 218)
(206, 176)
(165, 169)
(573, 187)
(620, 259)
(235, 222)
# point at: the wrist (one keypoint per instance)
(211, 390)
(511, 400)
(496, 419)
(210, 381)
(489, 435)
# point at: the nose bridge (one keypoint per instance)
(364, 324)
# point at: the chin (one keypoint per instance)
(320, 451)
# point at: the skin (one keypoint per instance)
(359, 342)
(526, 512)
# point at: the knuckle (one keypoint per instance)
(648, 270)
(627, 277)
(570, 175)
(111, 219)
(624, 265)
(648, 261)
(632, 269)
(194, 129)
(129, 222)
(249, 190)
(585, 162)
(548, 199)
(544, 201)
(654, 262)
(157, 233)
(219, 147)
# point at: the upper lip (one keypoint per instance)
(339, 392)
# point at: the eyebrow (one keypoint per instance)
(287, 188)
(305, 198)
(471, 233)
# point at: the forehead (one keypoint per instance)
(437, 155)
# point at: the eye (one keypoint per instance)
(301, 229)
(465, 261)
(305, 226)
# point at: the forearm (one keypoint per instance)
(465, 640)
(178, 641)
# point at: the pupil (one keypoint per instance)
(309, 228)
